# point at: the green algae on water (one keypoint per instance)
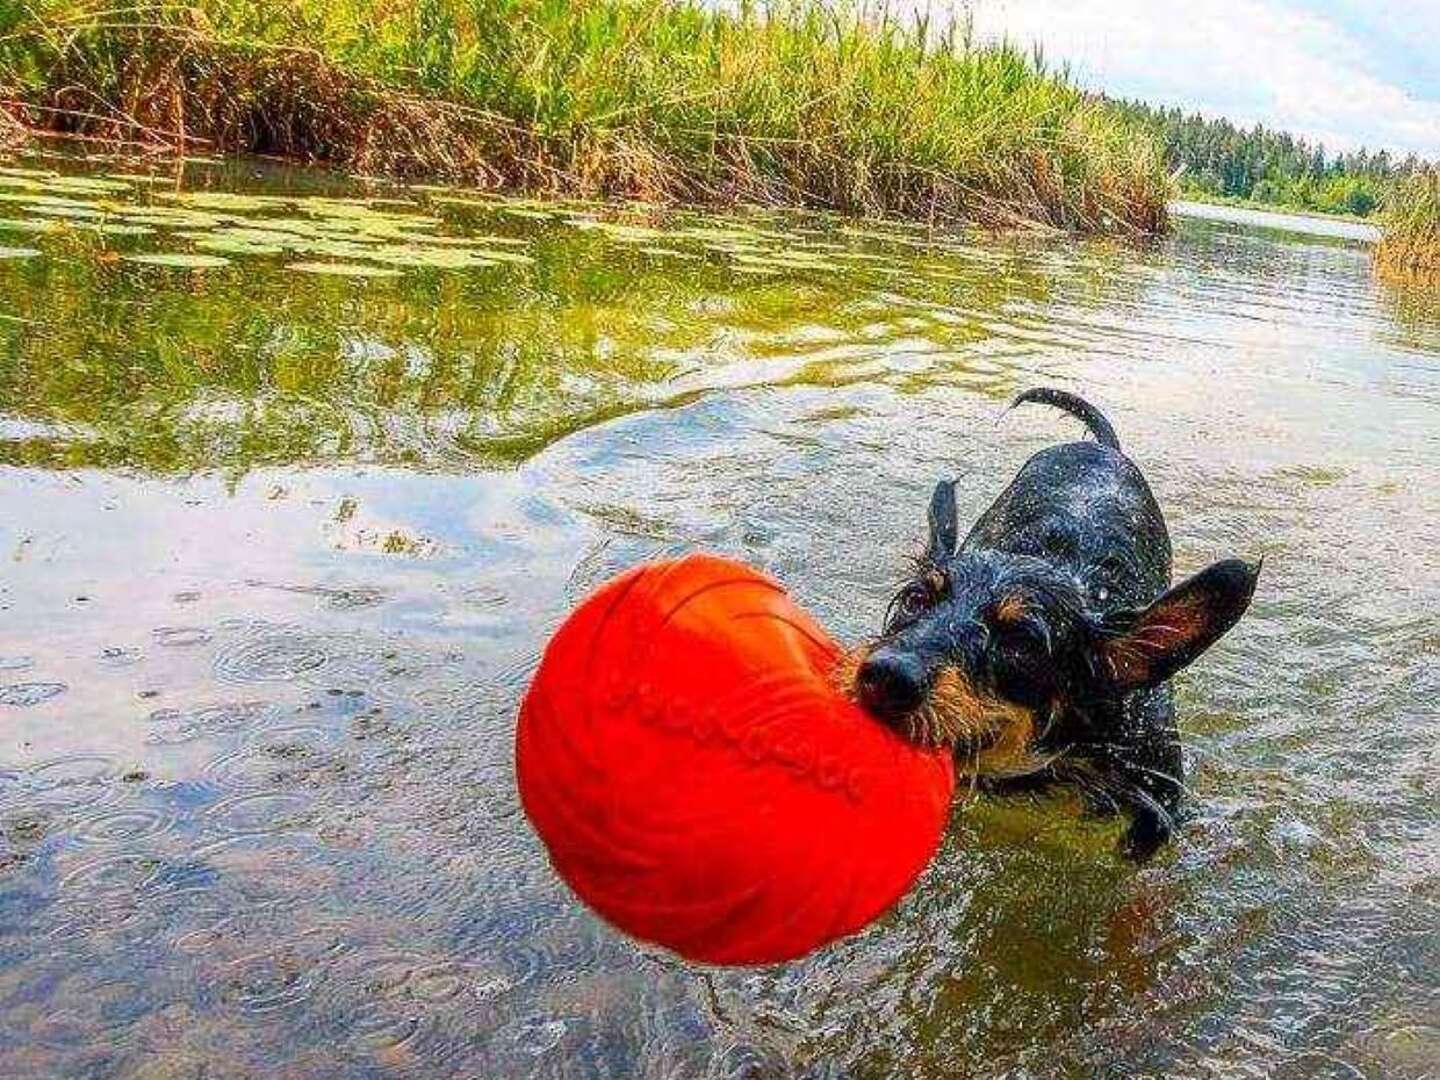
(340, 269)
(179, 260)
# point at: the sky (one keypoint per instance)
(1343, 72)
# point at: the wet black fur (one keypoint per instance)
(1080, 540)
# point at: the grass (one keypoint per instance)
(1410, 246)
(788, 103)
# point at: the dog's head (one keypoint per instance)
(1010, 660)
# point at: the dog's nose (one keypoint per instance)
(890, 684)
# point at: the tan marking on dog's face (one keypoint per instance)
(847, 670)
(989, 735)
(986, 732)
(1012, 752)
(1010, 610)
(936, 581)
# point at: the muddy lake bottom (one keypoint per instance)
(298, 472)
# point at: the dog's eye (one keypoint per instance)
(1024, 636)
(917, 598)
(911, 602)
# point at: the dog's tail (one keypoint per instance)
(1077, 407)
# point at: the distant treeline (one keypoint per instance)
(1217, 159)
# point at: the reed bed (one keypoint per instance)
(790, 103)
(1410, 244)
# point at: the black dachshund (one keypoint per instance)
(1039, 648)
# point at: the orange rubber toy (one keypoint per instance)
(699, 781)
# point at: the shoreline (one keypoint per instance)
(1264, 217)
(664, 101)
(1275, 208)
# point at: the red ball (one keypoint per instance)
(699, 781)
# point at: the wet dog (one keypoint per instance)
(1039, 649)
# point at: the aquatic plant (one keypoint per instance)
(1410, 245)
(166, 322)
(787, 103)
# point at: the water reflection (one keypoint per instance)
(117, 364)
(282, 549)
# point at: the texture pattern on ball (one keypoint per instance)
(700, 783)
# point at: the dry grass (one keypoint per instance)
(789, 104)
(1410, 246)
(180, 89)
(12, 132)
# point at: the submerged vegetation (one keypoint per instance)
(204, 317)
(792, 103)
(1411, 243)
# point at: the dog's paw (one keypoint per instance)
(1148, 832)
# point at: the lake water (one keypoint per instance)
(280, 547)
(1278, 221)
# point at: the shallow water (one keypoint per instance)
(279, 550)
(1279, 221)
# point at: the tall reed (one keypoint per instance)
(792, 102)
(1410, 244)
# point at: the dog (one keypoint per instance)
(1039, 650)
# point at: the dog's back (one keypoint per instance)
(1085, 506)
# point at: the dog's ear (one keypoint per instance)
(1144, 647)
(944, 523)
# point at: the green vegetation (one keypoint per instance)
(1220, 162)
(798, 103)
(1411, 244)
(201, 317)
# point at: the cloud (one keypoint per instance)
(1328, 75)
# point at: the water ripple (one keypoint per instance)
(274, 654)
(181, 637)
(111, 877)
(258, 812)
(174, 726)
(274, 754)
(269, 982)
(72, 769)
(22, 695)
(119, 828)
